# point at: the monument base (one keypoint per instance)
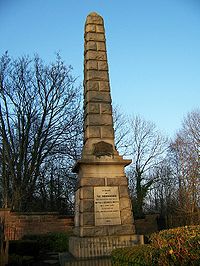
(87, 247)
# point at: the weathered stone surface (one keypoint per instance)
(101, 46)
(87, 205)
(104, 86)
(90, 36)
(101, 246)
(124, 229)
(93, 108)
(94, 96)
(96, 75)
(94, 231)
(108, 230)
(87, 219)
(106, 108)
(92, 181)
(90, 28)
(102, 65)
(107, 132)
(125, 203)
(117, 181)
(98, 120)
(100, 28)
(126, 217)
(91, 64)
(102, 148)
(123, 192)
(93, 132)
(95, 55)
(92, 85)
(94, 18)
(91, 45)
(87, 193)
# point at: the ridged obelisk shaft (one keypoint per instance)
(98, 122)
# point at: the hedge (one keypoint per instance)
(57, 242)
(179, 246)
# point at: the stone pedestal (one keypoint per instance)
(103, 211)
(87, 247)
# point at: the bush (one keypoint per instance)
(20, 260)
(141, 255)
(23, 247)
(57, 242)
(179, 246)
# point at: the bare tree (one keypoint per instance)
(39, 119)
(121, 129)
(147, 148)
(186, 150)
(162, 195)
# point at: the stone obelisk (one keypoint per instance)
(103, 211)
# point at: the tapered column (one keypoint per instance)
(103, 209)
(98, 121)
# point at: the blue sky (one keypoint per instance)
(153, 48)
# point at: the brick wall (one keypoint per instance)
(20, 224)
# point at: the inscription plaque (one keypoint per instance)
(106, 206)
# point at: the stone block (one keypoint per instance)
(87, 205)
(100, 28)
(93, 19)
(91, 45)
(96, 75)
(95, 55)
(93, 132)
(126, 217)
(124, 203)
(98, 120)
(106, 108)
(101, 46)
(124, 229)
(102, 65)
(93, 96)
(87, 193)
(104, 86)
(107, 132)
(90, 36)
(117, 181)
(123, 192)
(91, 28)
(92, 181)
(91, 64)
(94, 231)
(92, 85)
(93, 108)
(87, 219)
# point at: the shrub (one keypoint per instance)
(24, 247)
(20, 260)
(57, 242)
(179, 246)
(141, 255)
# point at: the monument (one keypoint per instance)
(103, 211)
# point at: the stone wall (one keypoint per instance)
(19, 224)
(3, 245)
